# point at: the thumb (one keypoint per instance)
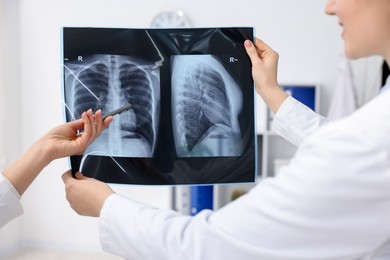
(80, 176)
(251, 51)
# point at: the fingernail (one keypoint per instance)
(248, 43)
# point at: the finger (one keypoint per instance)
(80, 176)
(252, 52)
(77, 124)
(99, 121)
(87, 125)
(262, 46)
(66, 176)
(263, 49)
(107, 121)
(92, 121)
(90, 127)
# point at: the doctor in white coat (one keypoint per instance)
(59, 142)
(332, 202)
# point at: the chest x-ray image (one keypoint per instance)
(190, 103)
(206, 103)
(108, 82)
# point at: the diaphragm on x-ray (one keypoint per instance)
(191, 113)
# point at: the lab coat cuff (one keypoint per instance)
(285, 108)
(283, 114)
(9, 201)
(11, 187)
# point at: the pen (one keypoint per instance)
(118, 111)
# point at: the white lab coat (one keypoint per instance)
(344, 101)
(10, 206)
(332, 202)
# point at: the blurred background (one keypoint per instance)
(308, 41)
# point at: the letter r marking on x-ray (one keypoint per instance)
(232, 60)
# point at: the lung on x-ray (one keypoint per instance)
(110, 81)
(190, 97)
(206, 103)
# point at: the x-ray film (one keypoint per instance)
(187, 97)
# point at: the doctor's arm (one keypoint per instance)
(312, 210)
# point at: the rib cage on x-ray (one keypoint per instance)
(137, 90)
(96, 77)
(206, 102)
(108, 82)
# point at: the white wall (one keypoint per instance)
(9, 104)
(308, 42)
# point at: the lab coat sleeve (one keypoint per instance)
(10, 206)
(138, 231)
(332, 202)
(294, 121)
